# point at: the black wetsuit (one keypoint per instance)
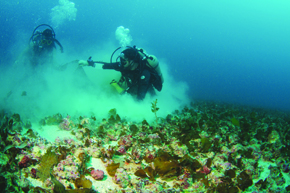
(139, 81)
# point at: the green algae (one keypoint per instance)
(231, 173)
(134, 129)
(235, 122)
(58, 187)
(46, 163)
(244, 180)
(205, 145)
(154, 110)
(52, 120)
(112, 168)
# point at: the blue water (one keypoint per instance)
(229, 51)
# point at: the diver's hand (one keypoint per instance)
(83, 63)
(91, 62)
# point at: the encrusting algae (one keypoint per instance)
(207, 147)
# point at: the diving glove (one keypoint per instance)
(91, 62)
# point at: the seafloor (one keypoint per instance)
(205, 147)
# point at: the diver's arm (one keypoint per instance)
(58, 43)
(114, 66)
(106, 65)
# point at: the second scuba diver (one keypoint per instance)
(140, 72)
(42, 44)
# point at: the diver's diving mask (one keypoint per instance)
(46, 42)
(123, 59)
(125, 62)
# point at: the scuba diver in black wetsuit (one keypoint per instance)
(140, 72)
(39, 51)
(42, 44)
